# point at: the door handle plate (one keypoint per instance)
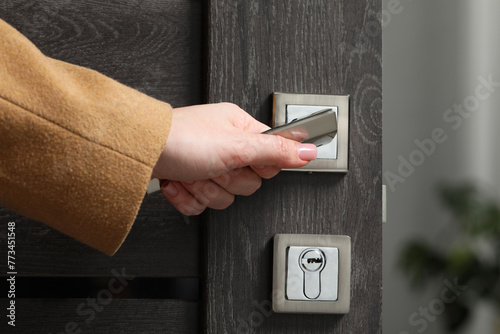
(333, 156)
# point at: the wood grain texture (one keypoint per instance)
(158, 239)
(116, 316)
(299, 46)
(153, 46)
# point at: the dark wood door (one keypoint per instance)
(212, 273)
(155, 47)
(301, 46)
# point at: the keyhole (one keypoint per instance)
(315, 260)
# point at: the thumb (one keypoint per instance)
(274, 150)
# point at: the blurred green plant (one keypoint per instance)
(479, 229)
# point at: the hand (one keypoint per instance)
(216, 151)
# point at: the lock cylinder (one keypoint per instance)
(312, 273)
(312, 262)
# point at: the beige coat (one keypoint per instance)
(76, 148)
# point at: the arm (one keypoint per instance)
(68, 138)
(78, 149)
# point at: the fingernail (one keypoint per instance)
(307, 151)
(260, 167)
(170, 189)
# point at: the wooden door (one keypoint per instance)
(155, 47)
(212, 273)
(300, 46)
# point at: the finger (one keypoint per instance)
(255, 126)
(241, 181)
(210, 194)
(181, 199)
(266, 172)
(272, 150)
(244, 121)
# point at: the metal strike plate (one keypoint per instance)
(333, 156)
(311, 273)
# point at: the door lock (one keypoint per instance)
(311, 273)
(312, 262)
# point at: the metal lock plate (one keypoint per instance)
(312, 273)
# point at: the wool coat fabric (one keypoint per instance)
(77, 148)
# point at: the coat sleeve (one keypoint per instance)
(77, 148)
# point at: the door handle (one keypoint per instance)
(318, 128)
(325, 119)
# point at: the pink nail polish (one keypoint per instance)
(170, 189)
(307, 152)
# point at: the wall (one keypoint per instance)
(433, 54)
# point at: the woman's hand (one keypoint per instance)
(216, 151)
